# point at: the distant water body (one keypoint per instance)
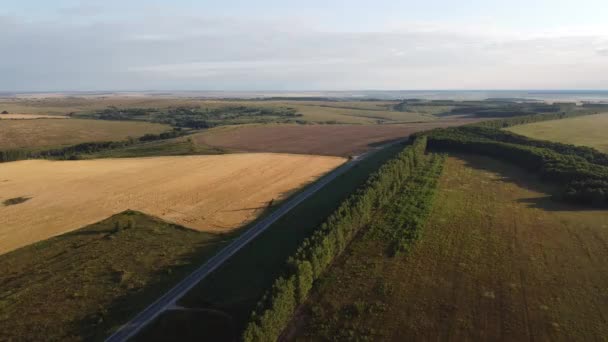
(541, 95)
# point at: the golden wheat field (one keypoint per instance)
(210, 193)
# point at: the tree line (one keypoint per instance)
(74, 151)
(315, 254)
(590, 154)
(489, 108)
(581, 173)
(409, 210)
(197, 117)
(525, 119)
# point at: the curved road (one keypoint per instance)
(169, 299)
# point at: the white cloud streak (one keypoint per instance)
(212, 53)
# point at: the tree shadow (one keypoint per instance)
(387, 141)
(190, 325)
(551, 198)
(98, 325)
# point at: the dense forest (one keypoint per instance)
(316, 253)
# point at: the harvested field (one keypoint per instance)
(587, 130)
(498, 260)
(208, 193)
(338, 140)
(31, 116)
(52, 133)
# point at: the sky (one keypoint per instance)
(238, 45)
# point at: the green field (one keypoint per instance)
(234, 289)
(83, 284)
(356, 113)
(498, 260)
(172, 147)
(588, 130)
(45, 133)
(313, 111)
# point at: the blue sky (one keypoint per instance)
(304, 45)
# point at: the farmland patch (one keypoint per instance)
(339, 140)
(587, 130)
(210, 193)
(38, 133)
(498, 259)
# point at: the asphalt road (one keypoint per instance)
(170, 298)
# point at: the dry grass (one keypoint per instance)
(210, 193)
(586, 130)
(31, 116)
(49, 132)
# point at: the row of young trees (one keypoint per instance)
(74, 151)
(583, 177)
(405, 217)
(525, 119)
(590, 154)
(316, 253)
(506, 109)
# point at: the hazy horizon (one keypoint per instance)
(271, 45)
(546, 95)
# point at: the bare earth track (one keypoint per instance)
(209, 193)
(338, 140)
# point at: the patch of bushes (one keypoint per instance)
(15, 201)
(316, 253)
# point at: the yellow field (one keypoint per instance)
(31, 116)
(50, 132)
(590, 130)
(211, 193)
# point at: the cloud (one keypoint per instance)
(83, 9)
(198, 52)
